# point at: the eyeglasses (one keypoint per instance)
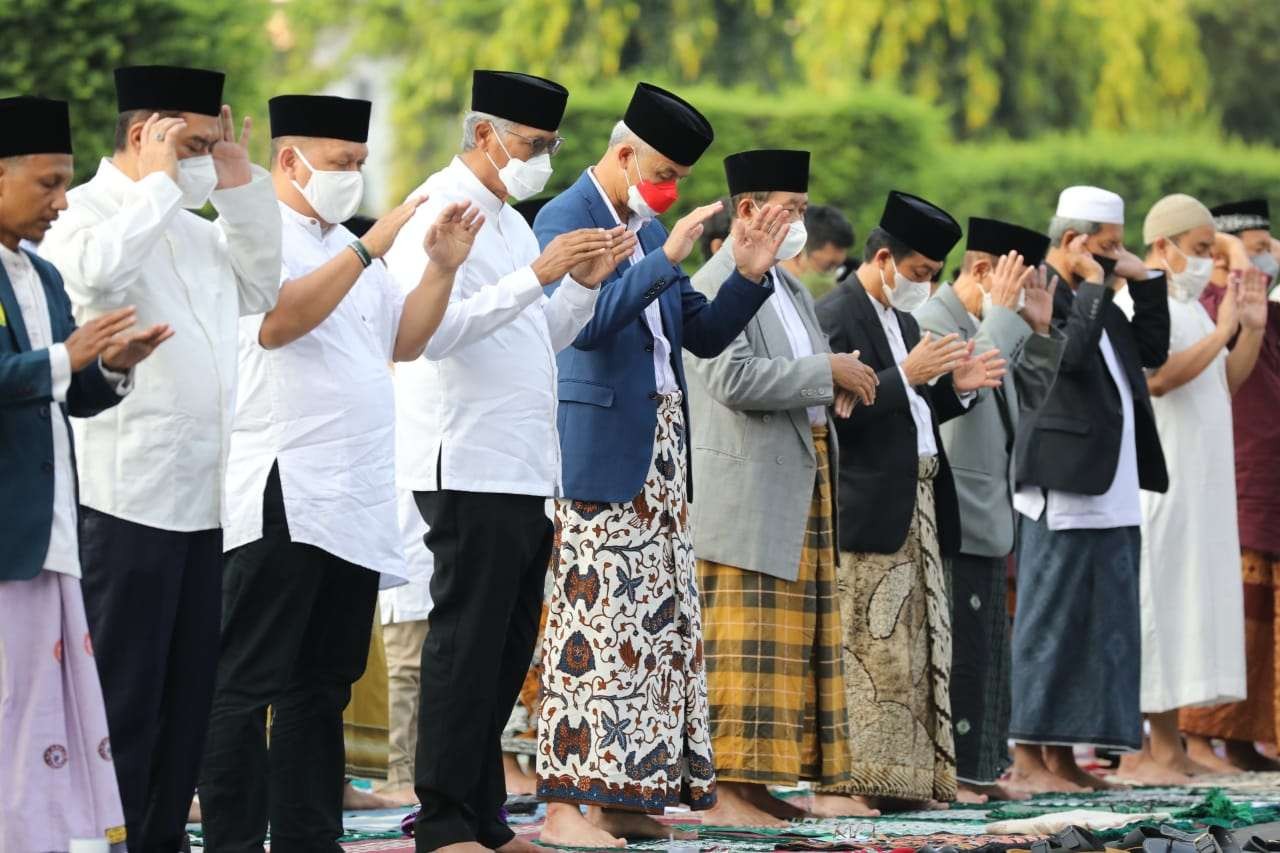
(541, 145)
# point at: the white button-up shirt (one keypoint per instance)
(482, 403)
(664, 374)
(797, 335)
(157, 459)
(322, 408)
(921, 414)
(1121, 504)
(63, 555)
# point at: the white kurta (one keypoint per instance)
(158, 458)
(322, 409)
(1192, 599)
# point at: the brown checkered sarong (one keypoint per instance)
(774, 675)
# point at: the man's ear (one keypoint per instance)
(980, 269)
(744, 209)
(882, 256)
(1067, 237)
(135, 135)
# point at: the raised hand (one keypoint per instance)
(573, 248)
(932, 357)
(687, 231)
(87, 342)
(1251, 300)
(1080, 264)
(126, 349)
(851, 375)
(449, 239)
(756, 241)
(594, 270)
(1037, 309)
(978, 371)
(380, 237)
(158, 146)
(231, 157)
(1129, 267)
(1229, 309)
(1007, 281)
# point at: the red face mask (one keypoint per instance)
(657, 197)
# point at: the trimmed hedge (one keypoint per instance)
(862, 146)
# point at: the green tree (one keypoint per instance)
(68, 48)
(1241, 41)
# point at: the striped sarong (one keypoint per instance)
(774, 675)
(897, 663)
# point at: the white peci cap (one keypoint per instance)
(1091, 204)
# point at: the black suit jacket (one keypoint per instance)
(1072, 442)
(878, 456)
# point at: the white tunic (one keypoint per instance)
(323, 409)
(1192, 599)
(482, 406)
(63, 555)
(158, 458)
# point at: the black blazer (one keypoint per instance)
(878, 457)
(1072, 442)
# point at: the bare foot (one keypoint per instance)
(1000, 793)
(970, 795)
(888, 805)
(566, 826)
(763, 799)
(402, 796)
(635, 825)
(841, 805)
(193, 811)
(1040, 780)
(356, 800)
(519, 845)
(1061, 761)
(1245, 756)
(518, 782)
(465, 847)
(1201, 751)
(736, 806)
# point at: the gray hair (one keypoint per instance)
(1060, 225)
(473, 120)
(623, 135)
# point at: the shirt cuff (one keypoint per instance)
(903, 374)
(122, 383)
(523, 284)
(967, 397)
(162, 188)
(59, 371)
(579, 295)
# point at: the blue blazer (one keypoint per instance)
(608, 393)
(26, 442)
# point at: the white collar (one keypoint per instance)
(477, 192)
(309, 224)
(634, 222)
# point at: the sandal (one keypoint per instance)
(1073, 839)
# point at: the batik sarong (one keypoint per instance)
(57, 778)
(623, 722)
(897, 663)
(775, 660)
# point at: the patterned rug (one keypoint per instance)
(1227, 801)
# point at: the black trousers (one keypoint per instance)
(491, 554)
(154, 600)
(295, 637)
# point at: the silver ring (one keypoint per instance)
(159, 137)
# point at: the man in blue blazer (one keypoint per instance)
(57, 758)
(618, 727)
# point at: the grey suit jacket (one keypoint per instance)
(754, 462)
(980, 444)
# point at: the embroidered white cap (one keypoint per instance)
(1091, 204)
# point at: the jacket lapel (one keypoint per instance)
(866, 314)
(13, 313)
(949, 300)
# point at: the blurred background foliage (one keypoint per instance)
(987, 106)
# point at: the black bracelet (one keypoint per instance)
(361, 252)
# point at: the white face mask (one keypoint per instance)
(1186, 286)
(796, 237)
(334, 196)
(635, 202)
(905, 295)
(197, 178)
(987, 303)
(522, 178)
(1267, 263)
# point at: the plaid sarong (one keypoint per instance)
(774, 677)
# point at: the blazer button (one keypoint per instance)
(47, 467)
(648, 348)
(658, 284)
(44, 412)
(779, 460)
(653, 395)
(766, 419)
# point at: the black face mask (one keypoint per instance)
(1108, 265)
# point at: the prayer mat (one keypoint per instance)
(897, 662)
(624, 693)
(775, 677)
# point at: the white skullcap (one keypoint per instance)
(1091, 204)
(1173, 215)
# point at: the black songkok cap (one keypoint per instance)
(522, 98)
(169, 88)
(322, 116)
(767, 170)
(530, 207)
(925, 227)
(34, 126)
(668, 123)
(999, 238)
(1236, 216)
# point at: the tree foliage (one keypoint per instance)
(68, 48)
